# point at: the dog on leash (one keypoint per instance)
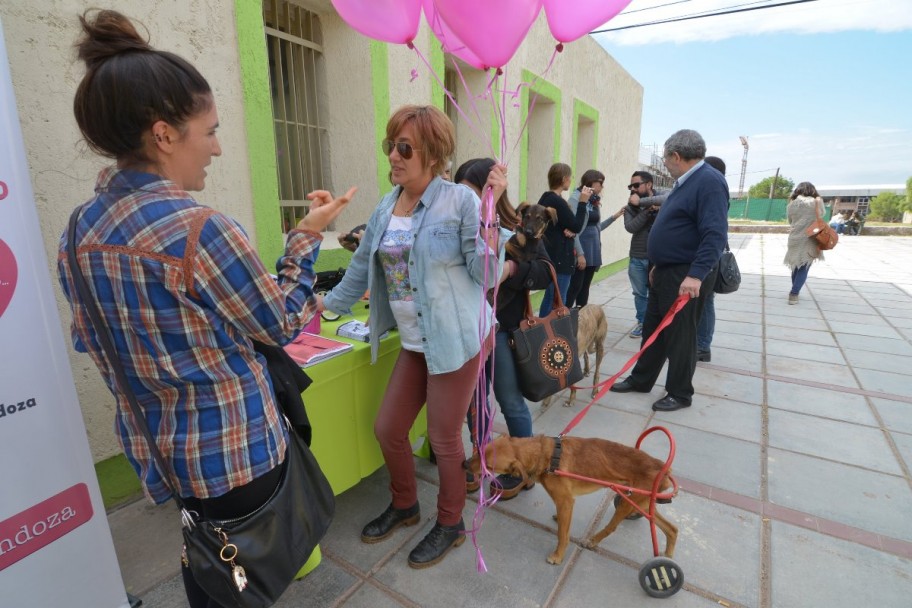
(590, 338)
(530, 458)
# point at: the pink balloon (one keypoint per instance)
(491, 29)
(386, 20)
(450, 41)
(572, 19)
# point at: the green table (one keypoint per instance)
(342, 404)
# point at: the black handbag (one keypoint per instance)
(545, 349)
(728, 278)
(248, 561)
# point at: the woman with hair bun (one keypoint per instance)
(179, 285)
(804, 206)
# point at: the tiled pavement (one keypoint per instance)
(794, 465)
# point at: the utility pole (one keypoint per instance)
(743, 139)
(773, 185)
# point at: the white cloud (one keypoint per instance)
(809, 18)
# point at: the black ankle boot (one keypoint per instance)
(435, 545)
(381, 527)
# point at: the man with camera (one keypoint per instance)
(638, 219)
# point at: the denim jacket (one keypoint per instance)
(446, 272)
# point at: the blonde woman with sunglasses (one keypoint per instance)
(426, 272)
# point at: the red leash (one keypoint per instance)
(607, 384)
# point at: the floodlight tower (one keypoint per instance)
(743, 139)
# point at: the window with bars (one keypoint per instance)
(294, 42)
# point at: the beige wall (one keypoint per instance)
(39, 39)
(45, 74)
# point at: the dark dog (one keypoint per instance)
(530, 458)
(523, 245)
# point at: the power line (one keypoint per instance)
(700, 16)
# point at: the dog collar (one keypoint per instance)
(555, 455)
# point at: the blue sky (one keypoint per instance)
(824, 91)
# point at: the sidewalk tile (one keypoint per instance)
(811, 570)
(818, 402)
(858, 497)
(863, 446)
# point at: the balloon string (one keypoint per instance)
(474, 127)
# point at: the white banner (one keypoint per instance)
(55, 544)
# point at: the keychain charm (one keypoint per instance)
(239, 576)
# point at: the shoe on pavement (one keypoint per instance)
(626, 386)
(436, 544)
(793, 298)
(508, 486)
(669, 403)
(704, 355)
(472, 482)
(382, 526)
(636, 332)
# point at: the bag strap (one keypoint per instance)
(106, 340)
(558, 301)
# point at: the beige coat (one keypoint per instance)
(802, 249)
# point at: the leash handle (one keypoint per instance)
(676, 307)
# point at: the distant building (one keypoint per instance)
(650, 159)
(856, 198)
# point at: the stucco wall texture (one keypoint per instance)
(45, 73)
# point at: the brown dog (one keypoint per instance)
(530, 457)
(590, 338)
(523, 245)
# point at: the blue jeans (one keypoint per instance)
(563, 281)
(506, 389)
(799, 276)
(707, 322)
(638, 273)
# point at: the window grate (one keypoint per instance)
(294, 41)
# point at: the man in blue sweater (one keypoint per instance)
(684, 247)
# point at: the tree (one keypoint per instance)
(761, 189)
(909, 194)
(888, 206)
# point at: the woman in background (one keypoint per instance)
(804, 206)
(559, 241)
(589, 241)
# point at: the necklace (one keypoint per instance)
(408, 212)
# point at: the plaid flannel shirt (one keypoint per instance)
(183, 293)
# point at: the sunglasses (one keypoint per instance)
(404, 149)
(635, 186)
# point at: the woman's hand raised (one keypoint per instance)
(324, 209)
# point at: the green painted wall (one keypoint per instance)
(541, 88)
(261, 147)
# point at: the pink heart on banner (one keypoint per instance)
(9, 274)
(491, 30)
(451, 43)
(387, 20)
(572, 19)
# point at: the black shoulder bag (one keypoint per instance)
(248, 561)
(729, 278)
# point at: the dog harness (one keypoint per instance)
(555, 455)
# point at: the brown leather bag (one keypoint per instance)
(822, 232)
